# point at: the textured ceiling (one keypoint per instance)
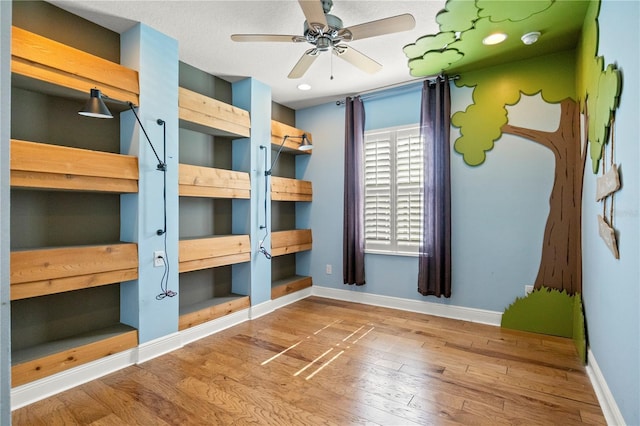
(203, 30)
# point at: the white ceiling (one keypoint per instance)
(203, 30)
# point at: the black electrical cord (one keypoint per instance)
(162, 166)
(261, 248)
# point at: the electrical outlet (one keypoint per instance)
(528, 289)
(329, 270)
(159, 259)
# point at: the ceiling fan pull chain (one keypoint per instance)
(331, 66)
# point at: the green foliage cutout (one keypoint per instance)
(542, 311)
(579, 329)
(549, 312)
(498, 11)
(598, 87)
(559, 20)
(481, 123)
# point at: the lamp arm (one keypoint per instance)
(162, 166)
(275, 160)
(303, 137)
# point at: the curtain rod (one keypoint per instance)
(373, 92)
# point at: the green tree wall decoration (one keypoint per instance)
(598, 88)
(577, 83)
(486, 120)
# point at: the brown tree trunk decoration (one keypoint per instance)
(561, 262)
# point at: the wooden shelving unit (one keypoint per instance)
(59, 66)
(289, 190)
(55, 270)
(207, 115)
(286, 189)
(43, 166)
(289, 285)
(209, 309)
(293, 241)
(203, 253)
(48, 67)
(203, 114)
(197, 181)
(37, 363)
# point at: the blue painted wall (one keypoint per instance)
(5, 134)
(498, 209)
(142, 213)
(253, 278)
(612, 287)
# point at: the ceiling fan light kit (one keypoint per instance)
(326, 32)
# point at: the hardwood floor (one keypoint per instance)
(322, 361)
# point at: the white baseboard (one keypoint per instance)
(272, 305)
(56, 383)
(610, 409)
(423, 307)
(159, 346)
(264, 308)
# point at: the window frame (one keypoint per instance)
(393, 246)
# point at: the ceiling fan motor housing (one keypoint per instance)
(322, 38)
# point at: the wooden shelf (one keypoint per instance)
(59, 66)
(287, 242)
(196, 181)
(211, 309)
(289, 285)
(56, 270)
(46, 166)
(285, 189)
(204, 253)
(53, 357)
(280, 130)
(210, 116)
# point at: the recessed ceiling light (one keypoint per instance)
(530, 38)
(495, 38)
(304, 86)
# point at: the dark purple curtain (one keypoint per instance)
(434, 262)
(353, 233)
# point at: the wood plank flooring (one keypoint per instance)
(322, 361)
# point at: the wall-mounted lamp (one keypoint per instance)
(305, 145)
(96, 108)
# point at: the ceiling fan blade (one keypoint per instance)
(358, 59)
(394, 24)
(267, 37)
(313, 13)
(303, 63)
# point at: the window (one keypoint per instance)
(393, 180)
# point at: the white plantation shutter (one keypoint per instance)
(393, 178)
(377, 182)
(409, 180)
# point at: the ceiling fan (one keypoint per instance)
(326, 32)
